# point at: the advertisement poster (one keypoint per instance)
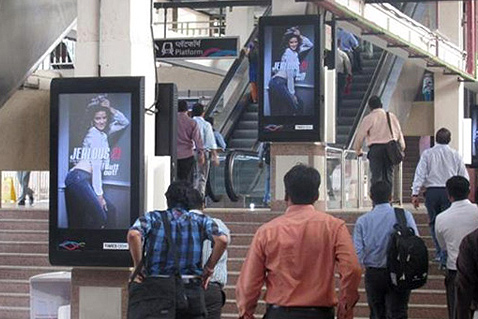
(96, 169)
(93, 177)
(290, 72)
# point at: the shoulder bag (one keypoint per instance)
(394, 150)
(157, 297)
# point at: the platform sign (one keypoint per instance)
(191, 48)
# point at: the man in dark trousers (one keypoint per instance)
(436, 166)
(375, 129)
(296, 256)
(189, 136)
(371, 239)
(188, 232)
(466, 282)
(451, 226)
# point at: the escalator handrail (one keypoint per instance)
(232, 70)
(229, 169)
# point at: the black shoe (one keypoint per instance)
(31, 199)
(21, 203)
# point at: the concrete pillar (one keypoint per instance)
(240, 22)
(114, 39)
(287, 7)
(449, 108)
(450, 18)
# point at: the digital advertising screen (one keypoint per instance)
(290, 66)
(474, 135)
(96, 169)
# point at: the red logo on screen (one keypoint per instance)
(116, 153)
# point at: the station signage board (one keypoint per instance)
(192, 48)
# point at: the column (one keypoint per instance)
(449, 107)
(114, 39)
(240, 22)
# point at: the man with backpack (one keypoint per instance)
(452, 225)
(372, 236)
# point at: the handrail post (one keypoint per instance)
(342, 179)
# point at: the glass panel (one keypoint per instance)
(334, 178)
(39, 183)
(364, 183)
(351, 186)
(248, 178)
(217, 177)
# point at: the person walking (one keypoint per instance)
(451, 226)
(188, 138)
(296, 256)
(376, 131)
(214, 294)
(372, 235)
(24, 180)
(188, 231)
(436, 166)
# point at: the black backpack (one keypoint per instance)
(407, 256)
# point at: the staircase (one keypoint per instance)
(23, 254)
(428, 302)
(348, 111)
(410, 162)
(244, 135)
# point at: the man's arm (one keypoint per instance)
(401, 139)
(358, 240)
(220, 245)
(439, 232)
(196, 137)
(251, 279)
(350, 273)
(421, 173)
(135, 246)
(361, 133)
(462, 169)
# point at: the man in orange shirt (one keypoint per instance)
(296, 255)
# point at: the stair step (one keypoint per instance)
(14, 312)
(14, 286)
(24, 214)
(23, 224)
(25, 272)
(249, 116)
(247, 125)
(24, 259)
(15, 299)
(242, 143)
(23, 247)
(23, 235)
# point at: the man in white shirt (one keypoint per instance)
(436, 166)
(214, 294)
(374, 128)
(452, 225)
(201, 172)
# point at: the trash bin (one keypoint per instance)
(48, 292)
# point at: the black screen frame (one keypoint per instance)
(313, 135)
(99, 257)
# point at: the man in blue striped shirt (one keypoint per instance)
(188, 232)
(371, 240)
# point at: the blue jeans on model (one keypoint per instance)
(82, 206)
(436, 201)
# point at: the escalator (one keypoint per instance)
(239, 175)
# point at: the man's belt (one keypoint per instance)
(286, 308)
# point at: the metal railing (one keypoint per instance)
(209, 28)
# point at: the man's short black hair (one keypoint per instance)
(182, 106)
(210, 119)
(198, 109)
(443, 136)
(302, 184)
(380, 192)
(374, 102)
(195, 199)
(458, 187)
(177, 194)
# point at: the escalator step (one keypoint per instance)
(247, 125)
(253, 107)
(247, 134)
(249, 116)
(242, 143)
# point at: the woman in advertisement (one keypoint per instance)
(86, 204)
(282, 96)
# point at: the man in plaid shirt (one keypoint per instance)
(188, 232)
